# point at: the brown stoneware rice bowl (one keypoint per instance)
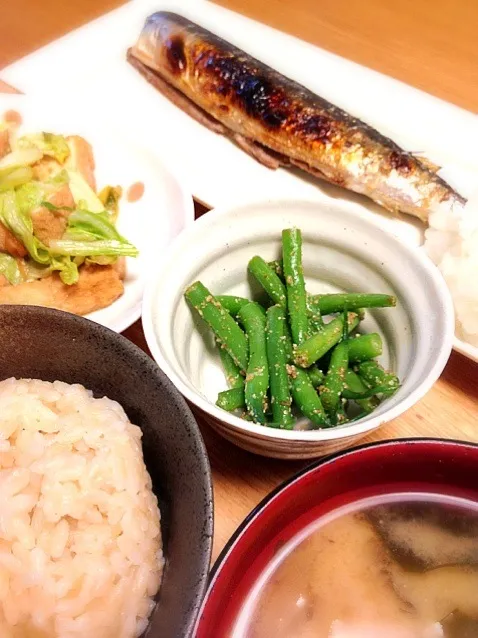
(51, 345)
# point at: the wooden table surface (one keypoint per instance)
(430, 45)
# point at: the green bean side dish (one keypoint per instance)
(285, 360)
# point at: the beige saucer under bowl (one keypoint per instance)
(342, 251)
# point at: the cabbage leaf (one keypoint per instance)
(20, 224)
(49, 144)
(10, 270)
(84, 196)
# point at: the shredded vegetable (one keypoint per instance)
(110, 196)
(21, 157)
(20, 224)
(48, 144)
(30, 185)
(10, 270)
(29, 196)
(92, 248)
(14, 176)
(84, 196)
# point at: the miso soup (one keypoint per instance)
(404, 566)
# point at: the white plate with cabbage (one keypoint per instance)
(83, 214)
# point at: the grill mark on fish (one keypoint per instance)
(400, 161)
(249, 90)
(257, 151)
(177, 98)
(317, 127)
(175, 54)
(261, 153)
(279, 121)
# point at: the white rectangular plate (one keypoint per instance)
(91, 63)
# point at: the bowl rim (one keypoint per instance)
(131, 350)
(363, 426)
(298, 476)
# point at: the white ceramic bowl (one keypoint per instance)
(342, 251)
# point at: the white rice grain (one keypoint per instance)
(80, 542)
(451, 241)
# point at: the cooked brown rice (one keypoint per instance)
(80, 543)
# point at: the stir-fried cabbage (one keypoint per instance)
(21, 157)
(49, 144)
(29, 196)
(90, 236)
(92, 248)
(66, 267)
(36, 271)
(14, 176)
(9, 269)
(97, 225)
(110, 196)
(20, 224)
(84, 196)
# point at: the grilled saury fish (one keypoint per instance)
(279, 121)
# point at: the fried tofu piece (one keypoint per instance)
(51, 224)
(46, 168)
(10, 244)
(81, 159)
(4, 143)
(120, 267)
(98, 287)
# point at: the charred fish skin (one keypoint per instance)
(259, 104)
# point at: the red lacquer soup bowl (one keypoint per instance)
(435, 466)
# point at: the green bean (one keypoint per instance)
(354, 383)
(337, 302)
(359, 416)
(225, 328)
(232, 303)
(364, 347)
(345, 328)
(341, 414)
(316, 376)
(268, 280)
(306, 397)
(369, 393)
(334, 381)
(324, 361)
(319, 344)
(234, 377)
(232, 399)
(257, 377)
(312, 303)
(294, 280)
(278, 357)
(288, 343)
(374, 375)
(277, 267)
(316, 322)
